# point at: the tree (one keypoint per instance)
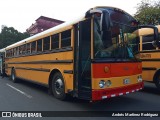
(9, 36)
(148, 12)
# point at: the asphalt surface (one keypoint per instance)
(25, 96)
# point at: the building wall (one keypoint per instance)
(41, 24)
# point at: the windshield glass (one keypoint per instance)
(113, 43)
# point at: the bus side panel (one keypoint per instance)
(33, 75)
(150, 64)
(148, 75)
(37, 68)
(149, 70)
(67, 76)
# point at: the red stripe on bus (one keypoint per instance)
(113, 92)
(106, 70)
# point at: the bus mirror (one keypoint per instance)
(106, 23)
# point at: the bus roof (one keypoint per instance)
(51, 30)
(147, 31)
(2, 50)
(54, 29)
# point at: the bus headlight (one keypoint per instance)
(108, 83)
(102, 84)
(139, 78)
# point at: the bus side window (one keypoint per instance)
(66, 38)
(11, 52)
(33, 47)
(20, 50)
(147, 42)
(14, 52)
(39, 45)
(46, 43)
(55, 41)
(17, 51)
(28, 48)
(7, 53)
(24, 49)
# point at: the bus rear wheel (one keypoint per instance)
(13, 75)
(58, 86)
(157, 81)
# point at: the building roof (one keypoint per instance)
(43, 23)
(49, 19)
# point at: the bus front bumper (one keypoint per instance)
(113, 92)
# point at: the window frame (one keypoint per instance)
(35, 49)
(44, 45)
(148, 42)
(58, 41)
(66, 38)
(41, 40)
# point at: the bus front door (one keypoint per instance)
(82, 58)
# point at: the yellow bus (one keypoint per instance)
(87, 58)
(149, 52)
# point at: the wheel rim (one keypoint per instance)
(58, 86)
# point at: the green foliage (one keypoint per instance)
(148, 12)
(9, 36)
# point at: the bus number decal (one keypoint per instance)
(145, 55)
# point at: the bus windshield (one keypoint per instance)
(113, 43)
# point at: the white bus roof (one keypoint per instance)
(147, 31)
(52, 30)
(2, 50)
(63, 25)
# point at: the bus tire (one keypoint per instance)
(58, 86)
(157, 80)
(13, 75)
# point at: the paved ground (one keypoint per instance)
(25, 96)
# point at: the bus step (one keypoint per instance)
(84, 95)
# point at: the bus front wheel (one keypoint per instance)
(58, 86)
(13, 75)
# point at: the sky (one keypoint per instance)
(20, 14)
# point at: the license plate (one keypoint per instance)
(126, 81)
